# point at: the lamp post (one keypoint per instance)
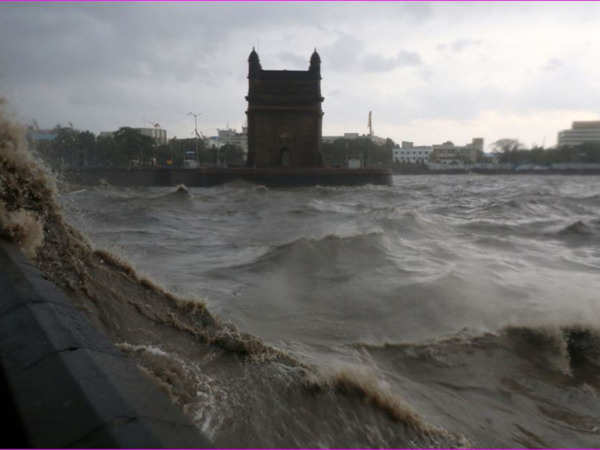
(196, 135)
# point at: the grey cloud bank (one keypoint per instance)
(428, 71)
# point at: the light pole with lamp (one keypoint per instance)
(195, 115)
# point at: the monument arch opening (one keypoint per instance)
(284, 157)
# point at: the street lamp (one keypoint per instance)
(195, 115)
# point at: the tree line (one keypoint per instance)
(128, 148)
(511, 151)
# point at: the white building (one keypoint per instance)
(408, 153)
(214, 141)
(580, 132)
(231, 137)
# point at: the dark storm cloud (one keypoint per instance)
(63, 44)
(59, 62)
(101, 66)
(143, 40)
(54, 60)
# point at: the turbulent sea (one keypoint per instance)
(464, 308)
(442, 311)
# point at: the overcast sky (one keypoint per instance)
(430, 72)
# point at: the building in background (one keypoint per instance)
(229, 136)
(214, 141)
(158, 134)
(408, 153)
(36, 135)
(350, 136)
(471, 152)
(331, 139)
(377, 140)
(448, 153)
(580, 132)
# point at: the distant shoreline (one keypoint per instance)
(497, 172)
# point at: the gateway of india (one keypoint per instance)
(284, 115)
(285, 121)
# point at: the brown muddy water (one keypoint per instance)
(441, 311)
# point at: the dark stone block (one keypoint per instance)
(34, 330)
(54, 408)
(20, 283)
(63, 381)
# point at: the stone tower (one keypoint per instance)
(284, 115)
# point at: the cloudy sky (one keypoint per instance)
(430, 72)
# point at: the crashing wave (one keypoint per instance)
(578, 228)
(265, 397)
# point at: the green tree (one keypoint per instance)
(64, 146)
(134, 148)
(85, 148)
(107, 152)
(509, 150)
(232, 155)
(337, 153)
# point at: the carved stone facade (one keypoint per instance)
(284, 115)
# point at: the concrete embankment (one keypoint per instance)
(64, 384)
(205, 177)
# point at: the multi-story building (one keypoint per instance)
(409, 153)
(158, 134)
(448, 153)
(232, 137)
(472, 151)
(580, 132)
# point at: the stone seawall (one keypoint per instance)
(205, 177)
(63, 383)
